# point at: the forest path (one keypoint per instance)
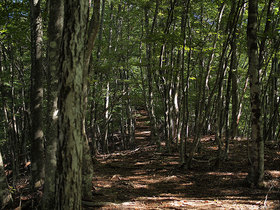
(145, 179)
(142, 125)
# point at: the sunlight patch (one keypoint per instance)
(140, 186)
(274, 173)
(221, 173)
(184, 185)
(142, 163)
(171, 179)
(139, 178)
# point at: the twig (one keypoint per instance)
(266, 197)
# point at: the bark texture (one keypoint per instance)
(5, 195)
(37, 135)
(70, 104)
(256, 144)
(54, 33)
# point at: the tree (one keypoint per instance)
(54, 38)
(5, 194)
(15, 82)
(70, 105)
(72, 153)
(37, 135)
(256, 147)
(184, 62)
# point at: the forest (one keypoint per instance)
(139, 104)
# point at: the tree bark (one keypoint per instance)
(37, 135)
(256, 145)
(68, 183)
(150, 98)
(5, 195)
(54, 34)
(87, 169)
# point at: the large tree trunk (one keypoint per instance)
(37, 136)
(256, 144)
(70, 127)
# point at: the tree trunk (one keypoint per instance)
(183, 87)
(68, 183)
(37, 136)
(54, 34)
(256, 145)
(151, 106)
(87, 168)
(5, 195)
(234, 92)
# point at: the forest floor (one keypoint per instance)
(144, 178)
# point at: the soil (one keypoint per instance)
(144, 178)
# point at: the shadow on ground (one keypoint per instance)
(146, 179)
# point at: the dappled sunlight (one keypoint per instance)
(207, 138)
(170, 163)
(146, 133)
(178, 202)
(144, 178)
(138, 172)
(142, 163)
(220, 173)
(227, 174)
(274, 173)
(183, 185)
(213, 148)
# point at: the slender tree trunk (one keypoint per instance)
(265, 102)
(184, 87)
(107, 97)
(231, 129)
(37, 135)
(274, 102)
(54, 34)
(240, 104)
(106, 119)
(234, 92)
(204, 106)
(92, 31)
(256, 145)
(13, 124)
(226, 114)
(151, 105)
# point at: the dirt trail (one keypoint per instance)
(145, 179)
